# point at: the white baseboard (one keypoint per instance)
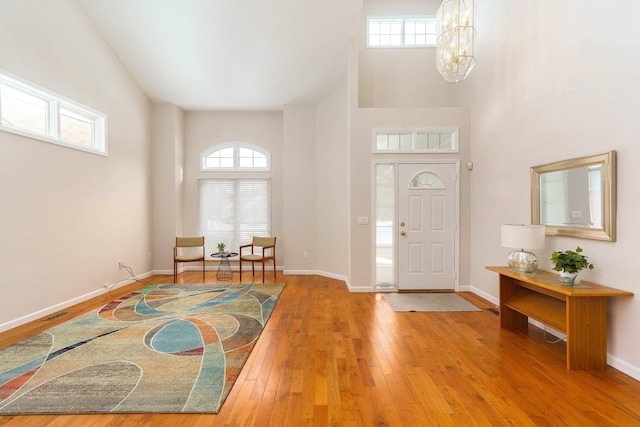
(52, 309)
(166, 272)
(58, 307)
(624, 366)
(334, 276)
(208, 268)
(484, 295)
(61, 306)
(315, 273)
(319, 273)
(194, 267)
(302, 272)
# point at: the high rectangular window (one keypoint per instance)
(31, 111)
(398, 31)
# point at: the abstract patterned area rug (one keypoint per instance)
(428, 302)
(165, 348)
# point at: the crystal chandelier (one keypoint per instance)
(456, 47)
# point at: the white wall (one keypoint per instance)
(550, 86)
(167, 129)
(300, 188)
(332, 184)
(68, 217)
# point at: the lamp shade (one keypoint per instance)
(523, 236)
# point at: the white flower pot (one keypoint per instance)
(568, 278)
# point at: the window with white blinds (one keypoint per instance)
(232, 211)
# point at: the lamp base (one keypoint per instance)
(522, 261)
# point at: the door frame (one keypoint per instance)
(456, 237)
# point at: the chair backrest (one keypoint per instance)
(189, 242)
(264, 241)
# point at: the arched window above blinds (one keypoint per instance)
(235, 156)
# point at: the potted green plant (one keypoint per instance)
(221, 247)
(569, 263)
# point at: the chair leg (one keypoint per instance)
(275, 272)
(203, 264)
(263, 271)
(240, 270)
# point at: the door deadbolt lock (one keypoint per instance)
(402, 224)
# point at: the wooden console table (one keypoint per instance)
(578, 311)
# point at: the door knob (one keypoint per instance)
(402, 224)
(402, 233)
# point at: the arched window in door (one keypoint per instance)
(426, 181)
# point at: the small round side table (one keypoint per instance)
(224, 269)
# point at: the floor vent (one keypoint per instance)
(55, 316)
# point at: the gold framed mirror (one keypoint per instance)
(576, 197)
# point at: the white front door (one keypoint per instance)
(426, 226)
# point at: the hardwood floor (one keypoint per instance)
(330, 357)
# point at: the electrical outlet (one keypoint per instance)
(120, 265)
(305, 254)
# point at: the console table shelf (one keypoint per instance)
(578, 311)
(540, 307)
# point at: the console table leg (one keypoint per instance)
(586, 333)
(510, 318)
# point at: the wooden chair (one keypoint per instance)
(263, 249)
(182, 256)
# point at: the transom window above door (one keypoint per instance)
(235, 156)
(434, 140)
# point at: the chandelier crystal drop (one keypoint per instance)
(455, 49)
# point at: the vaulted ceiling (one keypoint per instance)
(230, 54)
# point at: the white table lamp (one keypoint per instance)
(523, 237)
